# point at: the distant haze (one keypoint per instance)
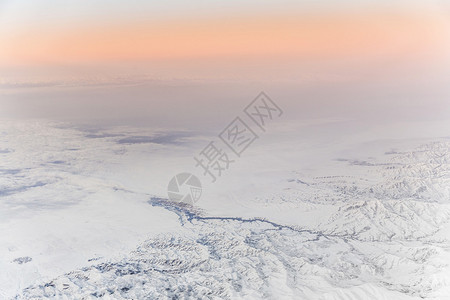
(196, 64)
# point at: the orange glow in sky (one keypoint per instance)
(289, 36)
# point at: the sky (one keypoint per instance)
(144, 57)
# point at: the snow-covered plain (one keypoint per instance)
(302, 215)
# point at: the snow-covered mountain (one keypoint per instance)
(84, 215)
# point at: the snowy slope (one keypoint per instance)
(84, 215)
